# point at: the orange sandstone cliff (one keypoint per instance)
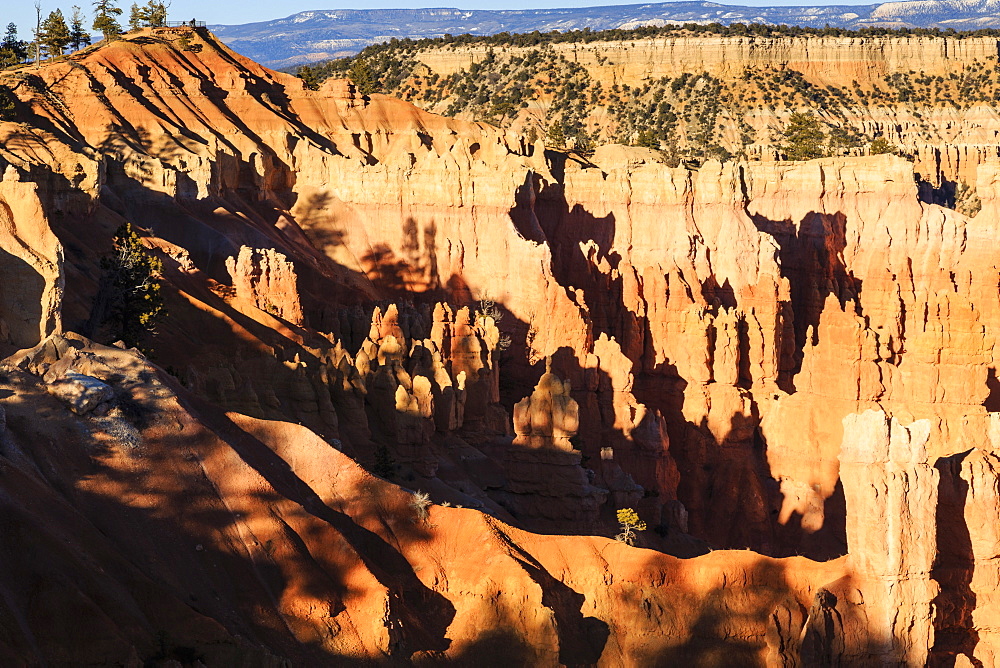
(367, 303)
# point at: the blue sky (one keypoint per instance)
(22, 12)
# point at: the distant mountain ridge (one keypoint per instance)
(322, 34)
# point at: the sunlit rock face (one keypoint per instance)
(892, 494)
(367, 303)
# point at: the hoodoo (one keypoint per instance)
(400, 371)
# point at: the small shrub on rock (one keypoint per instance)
(420, 503)
(629, 523)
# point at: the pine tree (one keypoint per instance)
(804, 137)
(647, 139)
(630, 524)
(11, 42)
(882, 145)
(556, 135)
(78, 37)
(361, 75)
(156, 13)
(105, 12)
(384, 466)
(12, 50)
(55, 34)
(583, 142)
(308, 76)
(137, 17)
(153, 14)
(8, 111)
(131, 301)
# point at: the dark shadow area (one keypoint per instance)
(212, 237)
(386, 271)
(495, 648)
(522, 214)
(411, 275)
(581, 639)
(811, 257)
(954, 628)
(992, 403)
(321, 232)
(705, 641)
(834, 532)
(722, 295)
(749, 610)
(146, 525)
(26, 113)
(943, 194)
(418, 617)
(582, 260)
(96, 575)
(21, 295)
(726, 486)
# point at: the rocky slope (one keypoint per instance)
(757, 355)
(698, 95)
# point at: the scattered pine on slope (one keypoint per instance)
(572, 88)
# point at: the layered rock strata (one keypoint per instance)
(719, 299)
(404, 279)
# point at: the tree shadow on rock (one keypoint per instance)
(581, 639)
(811, 255)
(954, 627)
